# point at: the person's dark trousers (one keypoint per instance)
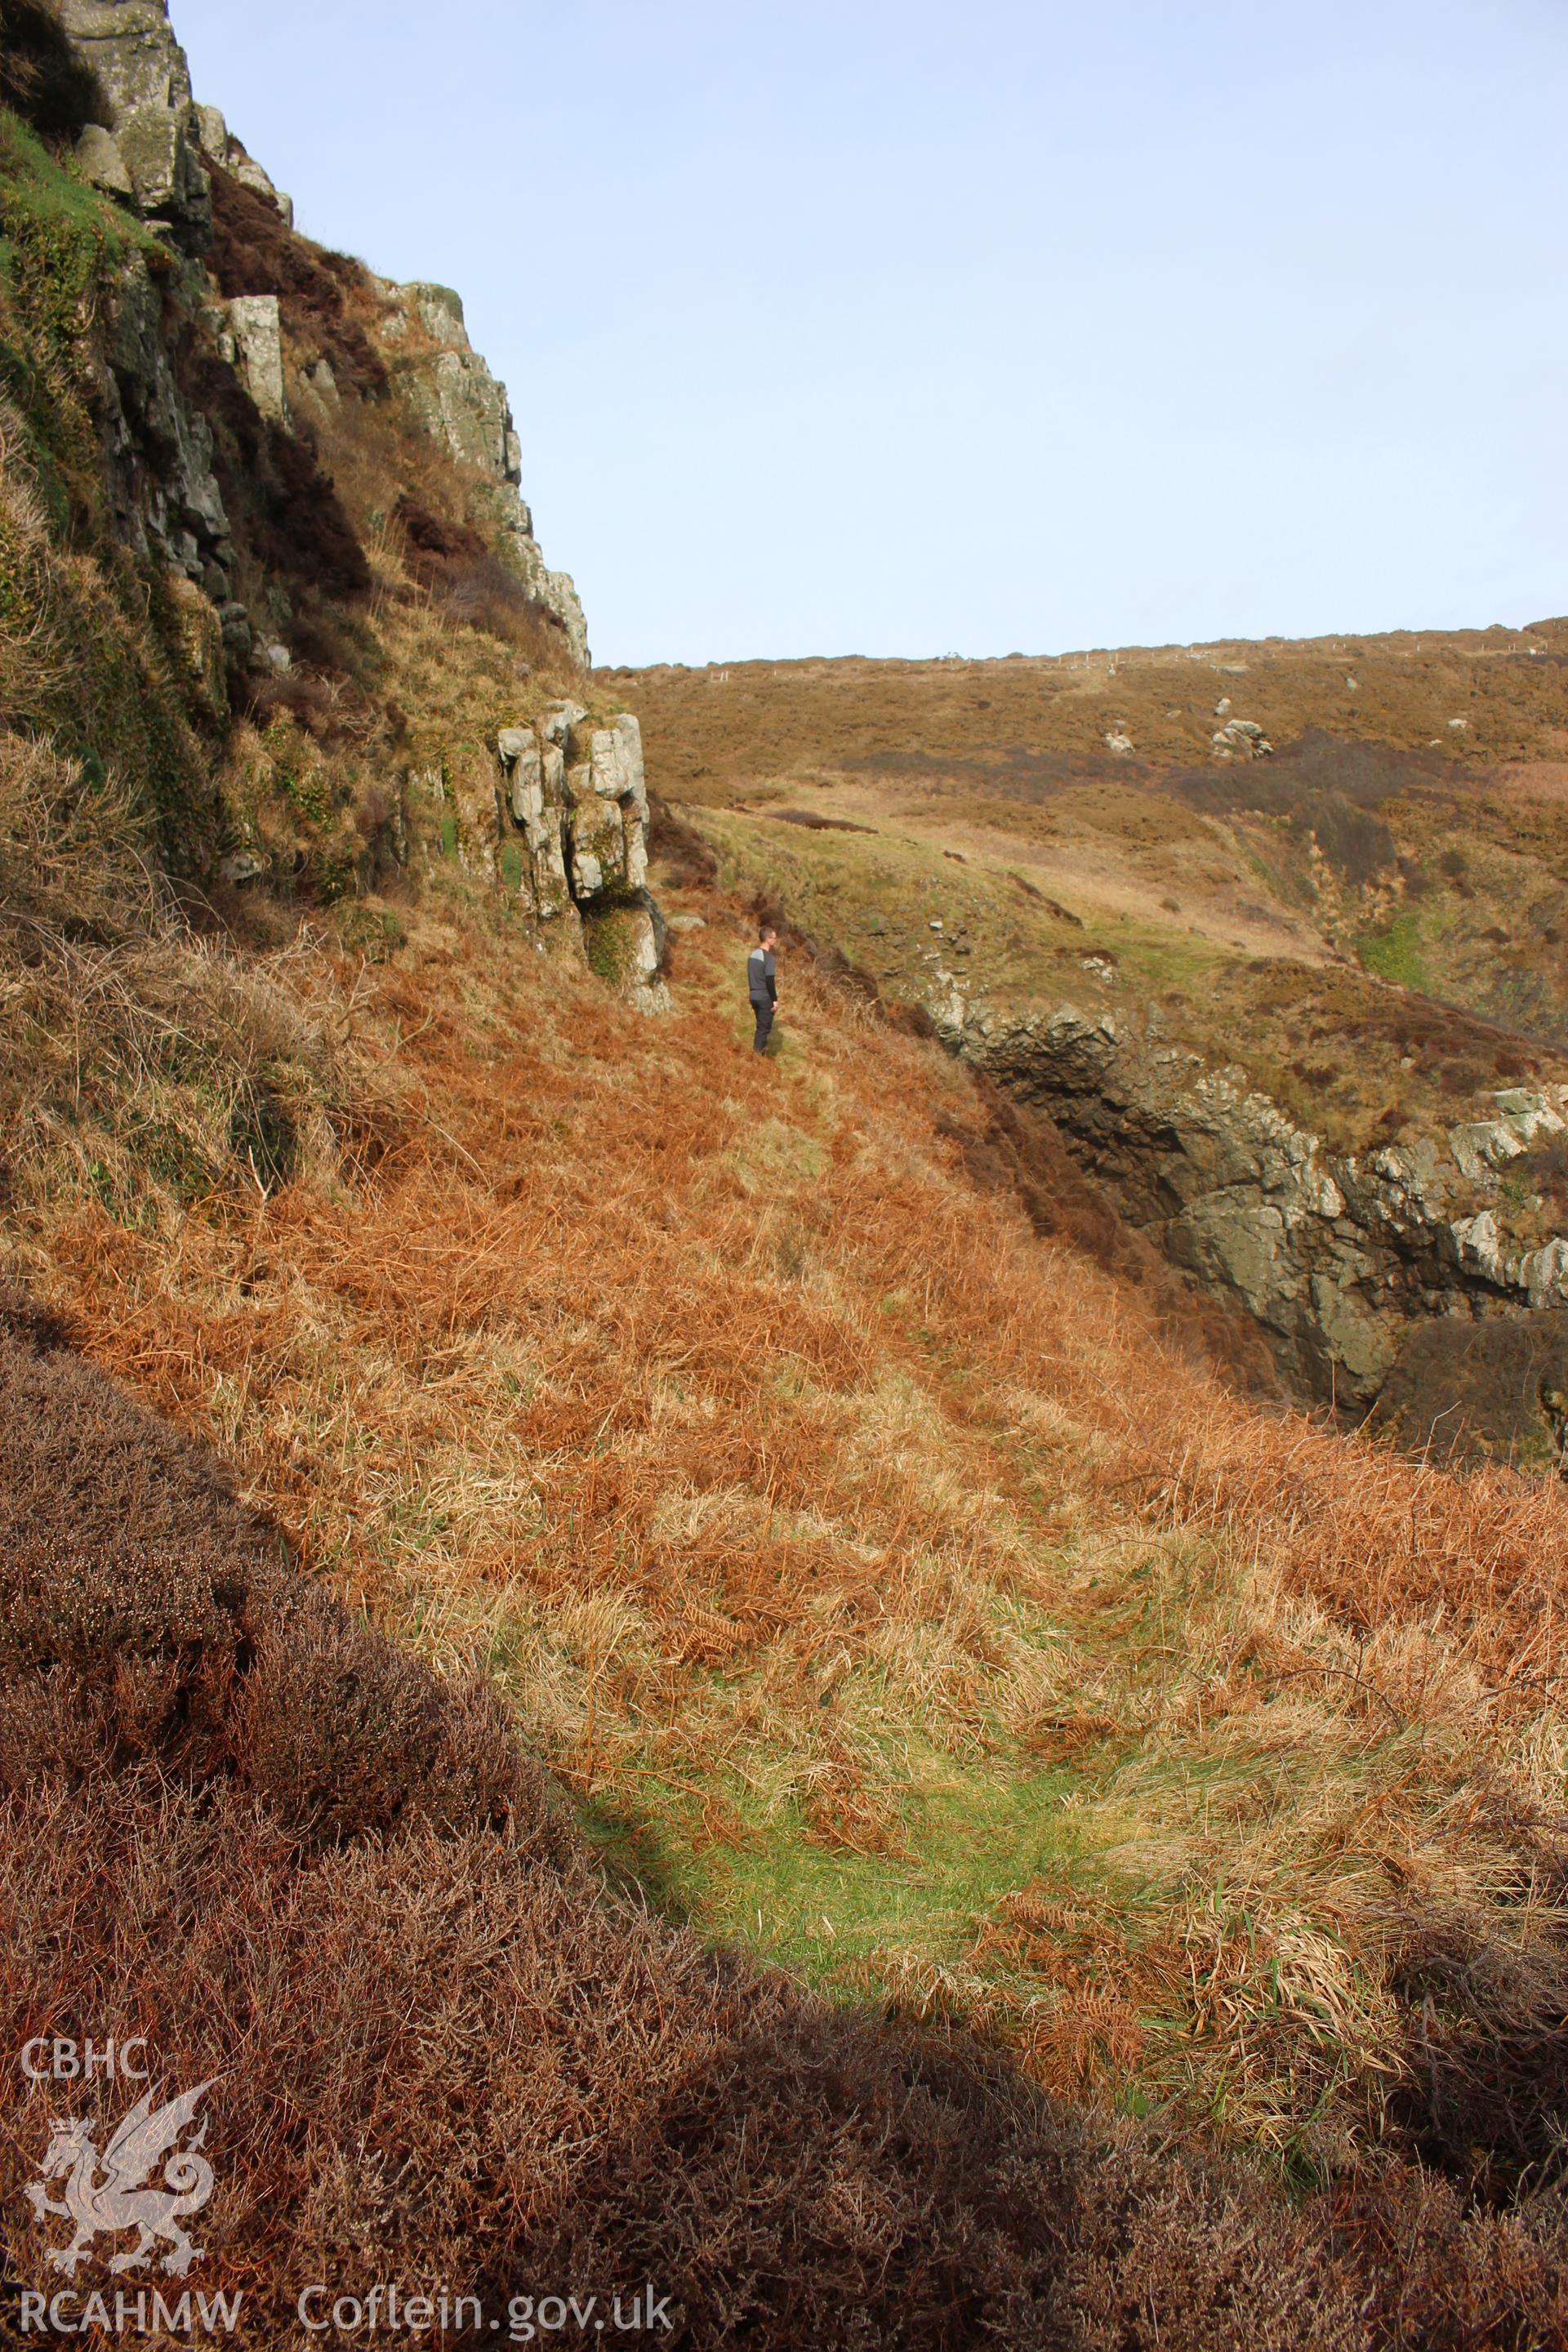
(764, 1014)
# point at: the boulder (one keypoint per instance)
(98, 153)
(1241, 738)
(257, 326)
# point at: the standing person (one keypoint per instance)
(762, 984)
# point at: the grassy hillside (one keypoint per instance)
(732, 724)
(896, 1595)
(687, 1668)
(1371, 920)
(435, 2047)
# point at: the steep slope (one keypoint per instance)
(268, 576)
(754, 1716)
(891, 1593)
(439, 2052)
(1273, 932)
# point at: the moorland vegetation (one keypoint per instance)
(675, 1666)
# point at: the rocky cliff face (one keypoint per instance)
(459, 403)
(145, 148)
(157, 149)
(1337, 1257)
(234, 376)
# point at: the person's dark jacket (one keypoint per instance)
(762, 977)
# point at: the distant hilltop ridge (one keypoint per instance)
(176, 164)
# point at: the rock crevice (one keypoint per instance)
(1336, 1257)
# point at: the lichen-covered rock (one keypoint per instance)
(1240, 739)
(166, 176)
(574, 840)
(451, 391)
(625, 947)
(141, 71)
(607, 825)
(460, 405)
(102, 162)
(1482, 1145)
(131, 49)
(257, 327)
(165, 494)
(534, 774)
(1335, 1257)
(220, 146)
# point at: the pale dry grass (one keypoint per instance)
(805, 1505)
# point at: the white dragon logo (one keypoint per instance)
(122, 2199)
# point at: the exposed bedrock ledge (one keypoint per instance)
(553, 815)
(573, 830)
(1336, 1258)
(146, 152)
(455, 400)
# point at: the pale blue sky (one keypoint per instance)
(891, 327)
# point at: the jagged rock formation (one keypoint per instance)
(556, 816)
(147, 149)
(167, 501)
(219, 143)
(156, 150)
(1336, 1257)
(458, 402)
(584, 820)
(229, 366)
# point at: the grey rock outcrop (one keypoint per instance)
(461, 406)
(558, 820)
(98, 153)
(1335, 1257)
(1239, 739)
(148, 146)
(535, 774)
(575, 820)
(167, 502)
(257, 327)
(450, 388)
(131, 49)
(220, 146)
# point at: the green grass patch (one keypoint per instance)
(1396, 954)
(968, 1836)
